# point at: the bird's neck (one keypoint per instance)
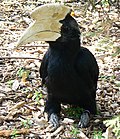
(68, 49)
(70, 46)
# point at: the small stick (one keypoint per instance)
(15, 57)
(40, 45)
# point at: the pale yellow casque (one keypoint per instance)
(46, 25)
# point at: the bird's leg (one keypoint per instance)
(53, 108)
(84, 119)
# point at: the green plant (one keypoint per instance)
(74, 111)
(75, 131)
(10, 82)
(26, 123)
(37, 96)
(106, 77)
(23, 71)
(105, 3)
(25, 90)
(14, 134)
(98, 112)
(97, 135)
(117, 52)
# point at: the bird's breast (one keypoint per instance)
(61, 75)
(64, 82)
(60, 69)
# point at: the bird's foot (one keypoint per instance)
(54, 120)
(84, 119)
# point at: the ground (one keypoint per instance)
(21, 96)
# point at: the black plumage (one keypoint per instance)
(70, 73)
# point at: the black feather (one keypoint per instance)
(69, 71)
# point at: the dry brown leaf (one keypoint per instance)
(11, 114)
(82, 135)
(40, 121)
(59, 129)
(18, 105)
(7, 133)
(15, 85)
(24, 77)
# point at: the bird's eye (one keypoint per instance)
(65, 26)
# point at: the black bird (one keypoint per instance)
(70, 73)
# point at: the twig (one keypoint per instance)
(40, 45)
(57, 131)
(17, 106)
(11, 29)
(15, 57)
(116, 25)
(82, 135)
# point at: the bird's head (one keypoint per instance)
(69, 29)
(52, 22)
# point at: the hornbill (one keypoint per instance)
(69, 71)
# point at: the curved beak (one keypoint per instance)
(46, 25)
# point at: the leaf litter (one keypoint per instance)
(21, 96)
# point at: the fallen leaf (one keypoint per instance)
(15, 85)
(18, 105)
(40, 121)
(7, 133)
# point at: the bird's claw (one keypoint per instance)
(53, 119)
(84, 119)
